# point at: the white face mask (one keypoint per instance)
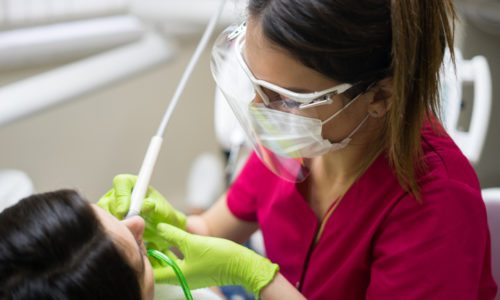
(290, 135)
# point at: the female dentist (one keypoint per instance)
(357, 189)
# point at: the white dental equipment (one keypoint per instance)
(473, 72)
(154, 147)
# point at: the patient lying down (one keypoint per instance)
(59, 246)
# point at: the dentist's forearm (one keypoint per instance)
(218, 221)
(196, 225)
(280, 288)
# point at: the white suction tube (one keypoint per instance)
(147, 168)
(141, 186)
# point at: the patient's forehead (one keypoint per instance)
(128, 246)
(119, 233)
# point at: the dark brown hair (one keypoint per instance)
(52, 246)
(366, 41)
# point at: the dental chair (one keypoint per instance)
(470, 137)
(14, 185)
(492, 200)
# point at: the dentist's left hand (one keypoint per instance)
(155, 208)
(210, 261)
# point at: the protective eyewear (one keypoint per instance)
(271, 93)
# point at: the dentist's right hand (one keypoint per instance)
(155, 208)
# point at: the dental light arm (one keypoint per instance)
(149, 162)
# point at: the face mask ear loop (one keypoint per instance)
(347, 139)
(341, 110)
(358, 127)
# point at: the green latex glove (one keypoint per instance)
(155, 209)
(210, 261)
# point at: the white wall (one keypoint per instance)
(83, 144)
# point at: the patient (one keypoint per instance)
(58, 246)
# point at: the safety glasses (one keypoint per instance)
(272, 94)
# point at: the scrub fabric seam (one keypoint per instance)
(317, 235)
(424, 139)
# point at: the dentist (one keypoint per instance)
(358, 190)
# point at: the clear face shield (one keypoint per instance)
(283, 115)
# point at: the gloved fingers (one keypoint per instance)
(119, 208)
(165, 274)
(179, 262)
(155, 262)
(163, 271)
(154, 201)
(123, 186)
(157, 209)
(148, 206)
(109, 203)
(105, 200)
(124, 183)
(174, 236)
(153, 239)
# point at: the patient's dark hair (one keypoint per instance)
(52, 246)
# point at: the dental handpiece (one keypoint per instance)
(155, 144)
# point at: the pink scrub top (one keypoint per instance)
(379, 242)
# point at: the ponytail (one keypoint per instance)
(421, 31)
